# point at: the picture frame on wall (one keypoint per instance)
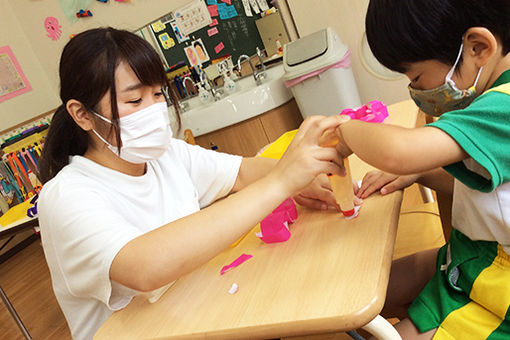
(13, 81)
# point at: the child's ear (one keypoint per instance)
(479, 44)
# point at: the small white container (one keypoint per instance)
(333, 88)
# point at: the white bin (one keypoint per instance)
(318, 72)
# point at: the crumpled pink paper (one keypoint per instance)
(275, 227)
(373, 112)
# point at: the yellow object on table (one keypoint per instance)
(15, 213)
(275, 150)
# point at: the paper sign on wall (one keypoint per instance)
(226, 12)
(213, 10)
(166, 41)
(212, 31)
(196, 53)
(158, 26)
(263, 5)
(219, 47)
(53, 28)
(13, 81)
(71, 7)
(247, 8)
(178, 34)
(192, 17)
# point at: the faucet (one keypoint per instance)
(192, 83)
(208, 85)
(257, 75)
(262, 73)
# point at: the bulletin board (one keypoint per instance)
(13, 81)
(233, 36)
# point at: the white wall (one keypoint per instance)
(126, 15)
(22, 27)
(42, 98)
(347, 17)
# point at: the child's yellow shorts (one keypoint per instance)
(469, 295)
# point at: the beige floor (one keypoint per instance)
(25, 277)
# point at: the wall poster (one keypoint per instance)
(13, 81)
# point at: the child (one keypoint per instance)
(120, 210)
(456, 55)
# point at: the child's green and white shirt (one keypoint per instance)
(481, 200)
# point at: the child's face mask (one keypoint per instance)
(446, 97)
(145, 134)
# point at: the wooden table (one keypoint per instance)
(330, 276)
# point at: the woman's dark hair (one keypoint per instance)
(87, 73)
(400, 32)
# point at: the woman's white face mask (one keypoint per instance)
(145, 134)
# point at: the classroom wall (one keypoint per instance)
(23, 20)
(347, 17)
(42, 97)
(21, 27)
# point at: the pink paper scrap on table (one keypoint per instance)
(212, 31)
(236, 263)
(214, 22)
(373, 112)
(275, 227)
(227, 1)
(219, 47)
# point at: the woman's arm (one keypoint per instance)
(252, 169)
(165, 254)
(318, 195)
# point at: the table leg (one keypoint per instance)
(382, 329)
(15, 315)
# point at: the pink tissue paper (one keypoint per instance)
(275, 227)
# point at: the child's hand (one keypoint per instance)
(304, 159)
(386, 182)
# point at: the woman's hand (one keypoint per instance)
(384, 182)
(304, 159)
(318, 195)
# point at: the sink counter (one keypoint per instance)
(247, 102)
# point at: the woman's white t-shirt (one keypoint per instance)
(87, 213)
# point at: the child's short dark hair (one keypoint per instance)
(400, 32)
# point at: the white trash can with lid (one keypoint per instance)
(318, 72)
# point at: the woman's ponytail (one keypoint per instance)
(65, 138)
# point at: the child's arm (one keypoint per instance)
(436, 179)
(399, 150)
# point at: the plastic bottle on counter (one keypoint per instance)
(228, 83)
(203, 94)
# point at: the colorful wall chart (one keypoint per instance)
(192, 17)
(229, 32)
(13, 81)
